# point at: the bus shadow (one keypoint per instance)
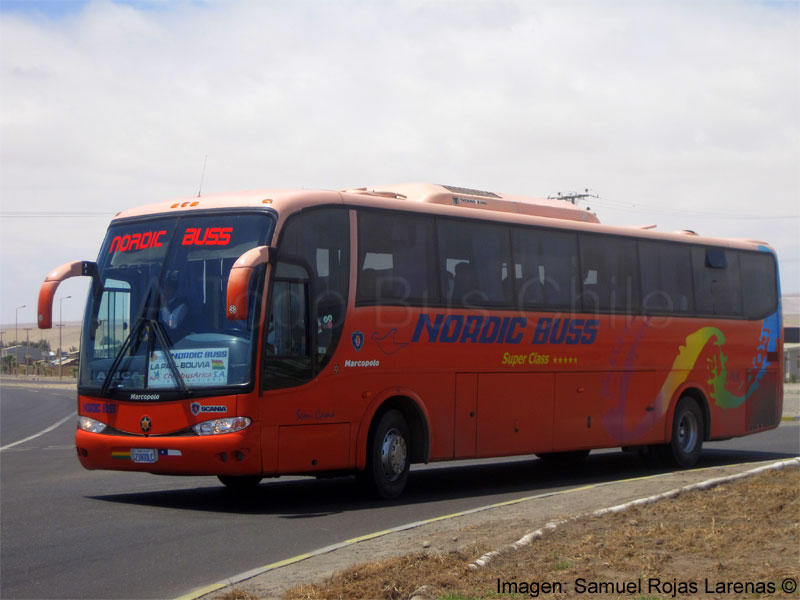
(309, 498)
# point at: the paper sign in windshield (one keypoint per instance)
(201, 367)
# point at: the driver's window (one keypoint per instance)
(312, 272)
(288, 342)
(113, 318)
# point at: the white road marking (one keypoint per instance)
(42, 432)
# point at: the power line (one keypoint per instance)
(49, 215)
(695, 213)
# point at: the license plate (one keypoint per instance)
(144, 455)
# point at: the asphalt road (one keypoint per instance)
(71, 533)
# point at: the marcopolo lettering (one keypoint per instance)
(362, 363)
(145, 396)
(478, 329)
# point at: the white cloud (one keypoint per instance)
(684, 106)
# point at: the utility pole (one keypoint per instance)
(16, 325)
(573, 197)
(27, 348)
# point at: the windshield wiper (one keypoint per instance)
(135, 330)
(145, 325)
(137, 333)
(158, 328)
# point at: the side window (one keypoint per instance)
(666, 273)
(395, 259)
(717, 283)
(308, 298)
(113, 318)
(759, 284)
(545, 268)
(288, 359)
(610, 274)
(475, 263)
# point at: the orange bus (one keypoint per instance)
(265, 333)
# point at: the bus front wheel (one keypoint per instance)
(388, 456)
(686, 443)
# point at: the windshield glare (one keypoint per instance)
(159, 323)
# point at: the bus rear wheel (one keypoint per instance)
(388, 458)
(240, 482)
(686, 443)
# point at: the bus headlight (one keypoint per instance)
(90, 425)
(217, 426)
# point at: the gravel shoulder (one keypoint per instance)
(470, 535)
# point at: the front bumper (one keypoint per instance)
(226, 454)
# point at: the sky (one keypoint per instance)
(680, 114)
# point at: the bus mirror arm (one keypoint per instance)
(239, 280)
(47, 293)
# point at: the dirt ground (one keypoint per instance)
(736, 540)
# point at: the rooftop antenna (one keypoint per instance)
(203, 176)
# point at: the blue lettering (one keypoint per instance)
(559, 331)
(477, 329)
(432, 328)
(513, 336)
(452, 328)
(575, 328)
(590, 331)
(542, 331)
(491, 328)
(501, 335)
(472, 328)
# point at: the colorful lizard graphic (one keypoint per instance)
(683, 365)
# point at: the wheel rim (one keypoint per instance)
(393, 455)
(688, 432)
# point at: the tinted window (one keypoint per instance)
(609, 273)
(395, 259)
(666, 273)
(717, 287)
(289, 356)
(545, 268)
(163, 292)
(474, 260)
(309, 296)
(759, 284)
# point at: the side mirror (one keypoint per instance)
(47, 293)
(239, 280)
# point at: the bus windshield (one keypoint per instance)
(157, 320)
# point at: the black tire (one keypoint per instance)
(565, 459)
(388, 457)
(240, 482)
(688, 428)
